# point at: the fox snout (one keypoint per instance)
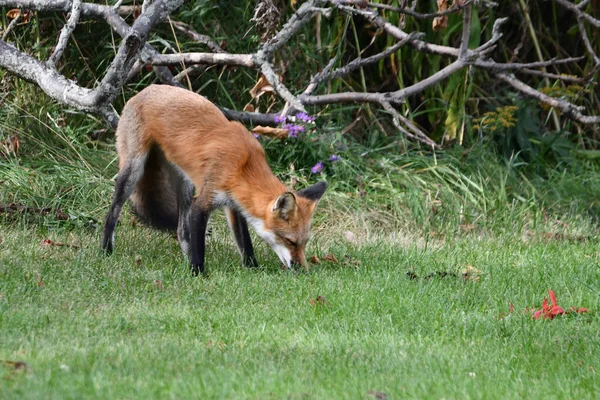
(298, 259)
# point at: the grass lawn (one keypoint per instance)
(137, 325)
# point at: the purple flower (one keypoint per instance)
(334, 158)
(293, 130)
(304, 117)
(318, 167)
(280, 119)
(256, 135)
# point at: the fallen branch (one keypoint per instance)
(570, 110)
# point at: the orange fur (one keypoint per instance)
(217, 155)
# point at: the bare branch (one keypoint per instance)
(312, 86)
(570, 110)
(245, 60)
(272, 77)
(11, 26)
(466, 33)
(457, 6)
(586, 41)
(191, 33)
(399, 34)
(289, 29)
(360, 62)
(564, 78)
(580, 14)
(387, 97)
(66, 91)
(417, 134)
(65, 33)
(539, 64)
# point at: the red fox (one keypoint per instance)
(172, 142)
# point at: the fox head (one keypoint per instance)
(287, 223)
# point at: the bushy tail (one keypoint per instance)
(154, 199)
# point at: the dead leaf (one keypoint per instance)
(314, 260)
(13, 144)
(159, 284)
(467, 227)
(440, 23)
(15, 365)
(14, 13)
(138, 261)
(470, 273)
(348, 259)
(331, 258)
(277, 133)
(249, 108)
(319, 300)
(377, 395)
(261, 87)
(48, 243)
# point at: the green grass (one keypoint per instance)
(103, 327)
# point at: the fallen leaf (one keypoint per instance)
(48, 243)
(470, 273)
(261, 87)
(138, 261)
(159, 284)
(348, 259)
(549, 311)
(314, 260)
(330, 257)
(467, 227)
(13, 144)
(16, 365)
(377, 395)
(319, 300)
(14, 13)
(277, 133)
(249, 108)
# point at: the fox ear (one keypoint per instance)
(314, 192)
(285, 206)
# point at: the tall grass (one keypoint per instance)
(387, 188)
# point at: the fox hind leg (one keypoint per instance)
(128, 177)
(239, 229)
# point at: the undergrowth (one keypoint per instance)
(387, 187)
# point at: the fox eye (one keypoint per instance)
(290, 242)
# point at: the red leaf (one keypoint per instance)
(549, 312)
(545, 305)
(552, 297)
(511, 308)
